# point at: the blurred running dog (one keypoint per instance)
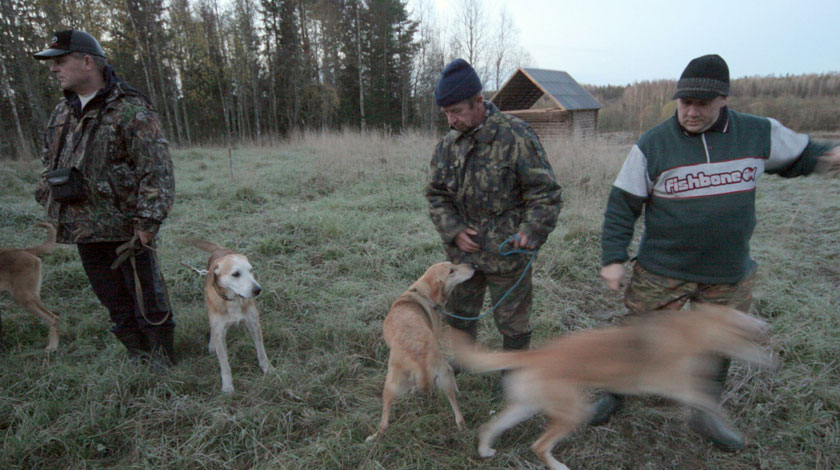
(20, 274)
(412, 329)
(673, 354)
(229, 292)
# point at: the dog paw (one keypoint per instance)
(372, 437)
(486, 452)
(227, 388)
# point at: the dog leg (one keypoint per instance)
(446, 383)
(389, 391)
(254, 328)
(33, 304)
(514, 414)
(557, 429)
(217, 339)
(567, 410)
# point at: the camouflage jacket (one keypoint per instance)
(496, 180)
(117, 144)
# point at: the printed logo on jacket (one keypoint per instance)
(709, 179)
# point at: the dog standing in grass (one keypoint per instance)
(20, 274)
(229, 292)
(670, 353)
(412, 330)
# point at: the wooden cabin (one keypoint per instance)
(551, 101)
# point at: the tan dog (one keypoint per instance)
(229, 292)
(412, 328)
(672, 354)
(20, 274)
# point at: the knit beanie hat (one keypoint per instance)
(458, 82)
(704, 78)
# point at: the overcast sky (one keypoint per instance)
(618, 42)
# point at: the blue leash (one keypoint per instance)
(532, 253)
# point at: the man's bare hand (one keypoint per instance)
(145, 237)
(613, 275)
(523, 242)
(465, 242)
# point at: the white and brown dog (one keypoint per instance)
(229, 292)
(412, 330)
(20, 274)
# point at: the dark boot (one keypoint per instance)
(135, 343)
(512, 343)
(162, 345)
(606, 406)
(711, 426)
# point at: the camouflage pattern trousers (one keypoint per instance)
(648, 291)
(512, 316)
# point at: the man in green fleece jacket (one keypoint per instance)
(694, 177)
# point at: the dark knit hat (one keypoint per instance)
(704, 78)
(458, 82)
(71, 40)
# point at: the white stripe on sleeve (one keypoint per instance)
(633, 176)
(785, 145)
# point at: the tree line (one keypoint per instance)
(226, 71)
(806, 103)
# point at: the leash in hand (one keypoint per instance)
(513, 251)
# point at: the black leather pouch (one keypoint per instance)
(67, 185)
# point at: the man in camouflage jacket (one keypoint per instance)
(489, 180)
(111, 134)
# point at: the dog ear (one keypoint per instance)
(436, 292)
(214, 271)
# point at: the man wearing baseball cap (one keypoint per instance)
(490, 179)
(107, 185)
(694, 178)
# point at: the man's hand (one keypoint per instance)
(145, 237)
(522, 241)
(830, 162)
(613, 275)
(465, 242)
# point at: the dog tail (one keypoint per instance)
(202, 244)
(48, 245)
(470, 355)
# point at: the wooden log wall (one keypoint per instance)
(554, 123)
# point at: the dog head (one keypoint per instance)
(232, 277)
(441, 278)
(734, 333)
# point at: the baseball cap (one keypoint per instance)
(71, 40)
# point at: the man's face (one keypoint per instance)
(464, 115)
(72, 73)
(697, 115)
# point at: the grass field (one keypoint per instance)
(336, 227)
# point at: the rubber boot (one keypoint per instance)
(135, 343)
(712, 427)
(162, 345)
(606, 406)
(510, 343)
